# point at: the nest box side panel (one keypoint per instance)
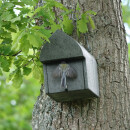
(95, 77)
(45, 78)
(91, 75)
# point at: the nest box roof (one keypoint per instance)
(61, 46)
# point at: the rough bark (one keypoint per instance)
(112, 109)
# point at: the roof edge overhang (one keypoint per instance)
(61, 47)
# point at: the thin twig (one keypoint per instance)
(11, 55)
(17, 53)
(28, 62)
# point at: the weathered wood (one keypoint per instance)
(63, 48)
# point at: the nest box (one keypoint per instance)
(77, 80)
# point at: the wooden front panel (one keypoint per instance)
(73, 84)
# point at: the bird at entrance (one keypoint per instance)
(64, 71)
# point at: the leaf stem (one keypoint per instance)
(11, 55)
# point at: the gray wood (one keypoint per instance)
(73, 95)
(73, 84)
(90, 73)
(61, 46)
(64, 48)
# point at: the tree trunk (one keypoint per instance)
(112, 109)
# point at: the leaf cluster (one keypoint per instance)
(24, 29)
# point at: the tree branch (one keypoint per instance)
(17, 53)
(11, 55)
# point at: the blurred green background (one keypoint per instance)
(126, 19)
(16, 104)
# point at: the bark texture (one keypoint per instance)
(112, 110)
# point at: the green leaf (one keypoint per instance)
(7, 5)
(90, 12)
(36, 38)
(10, 77)
(38, 9)
(6, 16)
(77, 7)
(18, 61)
(4, 64)
(14, 27)
(16, 19)
(19, 3)
(0, 3)
(1, 40)
(17, 79)
(82, 26)
(91, 22)
(38, 73)
(17, 38)
(25, 45)
(36, 27)
(67, 25)
(83, 17)
(54, 27)
(34, 41)
(5, 49)
(47, 33)
(26, 71)
(1, 72)
(66, 12)
(23, 10)
(41, 35)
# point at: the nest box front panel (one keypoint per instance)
(54, 84)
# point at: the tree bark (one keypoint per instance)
(112, 110)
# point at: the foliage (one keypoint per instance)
(23, 34)
(126, 19)
(16, 104)
(126, 12)
(129, 52)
